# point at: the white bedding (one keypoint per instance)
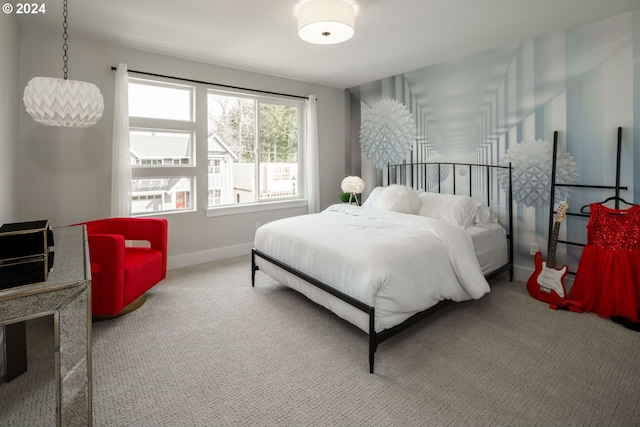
(490, 244)
(400, 264)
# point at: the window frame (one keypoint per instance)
(163, 125)
(266, 203)
(168, 85)
(198, 171)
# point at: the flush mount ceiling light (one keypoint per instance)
(61, 102)
(326, 21)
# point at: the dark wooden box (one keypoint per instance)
(26, 254)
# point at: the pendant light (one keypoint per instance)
(62, 102)
(326, 21)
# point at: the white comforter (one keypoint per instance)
(398, 263)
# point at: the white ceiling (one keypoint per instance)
(391, 36)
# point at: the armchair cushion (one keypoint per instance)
(122, 270)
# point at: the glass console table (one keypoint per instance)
(67, 296)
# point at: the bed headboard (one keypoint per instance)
(489, 184)
(475, 180)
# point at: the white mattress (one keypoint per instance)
(432, 261)
(490, 246)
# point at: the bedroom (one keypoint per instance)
(76, 169)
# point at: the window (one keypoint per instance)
(158, 100)
(253, 149)
(252, 152)
(162, 146)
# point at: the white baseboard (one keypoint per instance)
(209, 255)
(521, 274)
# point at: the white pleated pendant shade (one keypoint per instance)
(61, 102)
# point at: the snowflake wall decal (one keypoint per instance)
(531, 162)
(387, 133)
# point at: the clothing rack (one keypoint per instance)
(617, 187)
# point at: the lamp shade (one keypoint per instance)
(352, 184)
(61, 102)
(326, 21)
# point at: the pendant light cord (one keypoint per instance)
(65, 36)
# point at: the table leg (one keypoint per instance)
(72, 331)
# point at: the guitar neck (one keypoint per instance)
(551, 256)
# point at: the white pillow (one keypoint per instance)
(432, 205)
(455, 209)
(485, 216)
(398, 198)
(371, 200)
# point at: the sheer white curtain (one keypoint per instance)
(311, 151)
(121, 169)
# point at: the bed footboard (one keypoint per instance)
(370, 311)
(375, 338)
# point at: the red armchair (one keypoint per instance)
(122, 270)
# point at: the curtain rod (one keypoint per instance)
(214, 84)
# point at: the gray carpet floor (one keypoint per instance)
(207, 349)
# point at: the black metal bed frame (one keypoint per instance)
(376, 338)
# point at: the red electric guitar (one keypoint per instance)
(547, 282)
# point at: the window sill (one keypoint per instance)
(255, 207)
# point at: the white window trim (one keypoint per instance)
(255, 207)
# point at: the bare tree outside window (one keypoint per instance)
(258, 139)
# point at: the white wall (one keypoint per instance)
(66, 173)
(10, 104)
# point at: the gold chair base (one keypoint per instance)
(134, 305)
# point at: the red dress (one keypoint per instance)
(608, 278)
